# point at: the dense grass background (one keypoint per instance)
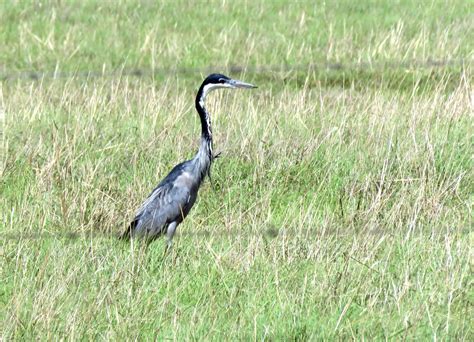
(342, 205)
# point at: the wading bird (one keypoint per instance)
(170, 202)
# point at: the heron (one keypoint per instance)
(170, 202)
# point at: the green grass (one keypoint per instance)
(86, 35)
(342, 204)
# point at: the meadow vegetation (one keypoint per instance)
(341, 206)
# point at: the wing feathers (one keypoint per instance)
(169, 202)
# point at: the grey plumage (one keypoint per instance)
(170, 202)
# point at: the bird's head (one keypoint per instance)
(216, 81)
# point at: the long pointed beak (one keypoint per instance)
(240, 84)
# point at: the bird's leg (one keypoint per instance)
(170, 233)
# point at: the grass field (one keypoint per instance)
(341, 207)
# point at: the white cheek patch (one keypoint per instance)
(210, 87)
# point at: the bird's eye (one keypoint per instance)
(221, 80)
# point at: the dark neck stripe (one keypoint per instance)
(206, 130)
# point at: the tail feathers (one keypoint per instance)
(127, 234)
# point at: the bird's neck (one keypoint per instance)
(204, 155)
